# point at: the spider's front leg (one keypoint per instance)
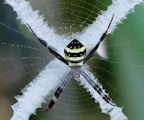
(97, 88)
(97, 45)
(51, 49)
(59, 90)
(40, 40)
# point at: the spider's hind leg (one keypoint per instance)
(97, 88)
(59, 90)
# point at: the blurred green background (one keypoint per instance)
(122, 74)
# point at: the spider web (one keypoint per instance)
(22, 58)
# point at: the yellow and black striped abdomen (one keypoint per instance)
(75, 53)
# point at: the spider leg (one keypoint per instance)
(59, 90)
(97, 45)
(97, 88)
(41, 41)
(51, 49)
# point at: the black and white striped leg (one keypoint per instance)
(51, 49)
(59, 91)
(97, 88)
(40, 40)
(97, 45)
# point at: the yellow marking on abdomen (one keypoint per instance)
(75, 50)
(75, 58)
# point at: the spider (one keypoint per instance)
(75, 54)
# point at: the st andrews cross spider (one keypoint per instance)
(75, 58)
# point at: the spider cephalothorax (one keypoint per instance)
(75, 53)
(76, 57)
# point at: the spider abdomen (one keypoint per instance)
(75, 53)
